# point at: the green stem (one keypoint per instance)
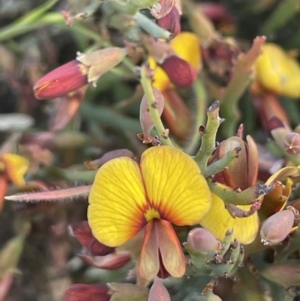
(151, 28)
(245, 197)
(109, 117)
(284, 11)
(201, 105)
(221, 164)
(11, 31)
(209, 136)
(34, 15)
(147, 86)
(237, 86)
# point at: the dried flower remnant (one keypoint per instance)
(268, 106)
(241, 172)
(292, 143)
(146, 121)
(112, 261)
(83, 234)
(219, 59)
(87, 68)
(278, 72)
(127, 197)
(65, 109)
(162, 8)
(171, 21)
(95, 164)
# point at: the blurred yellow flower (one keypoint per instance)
(278, 72)
(15, 168)
(165, 188)
(218, 220)
(12, 167)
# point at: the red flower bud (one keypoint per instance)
(180, 72)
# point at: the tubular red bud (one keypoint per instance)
(180, 72)
(203, 241)
(277, 227)
(292, 143)
(60, 81)
(79, 292)
(85, 69)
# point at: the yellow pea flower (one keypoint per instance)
(165, 188)
(218, 220)
(186, 46)
(278, 72)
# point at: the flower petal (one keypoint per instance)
(16, 166)
(117, 202)
(218, 221)
(148, 264)
(170, 249)
(161, 80)
(187, 46)
(174, 185)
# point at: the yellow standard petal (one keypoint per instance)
(187, 46)
(15, 167)
(117, 202)
(174, 185)
(218, 221)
